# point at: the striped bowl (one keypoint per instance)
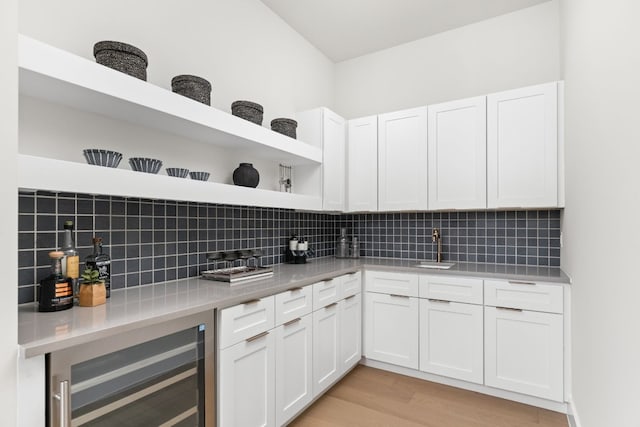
(110, 159)
(177, 172)
(200, 176)
(144, 164)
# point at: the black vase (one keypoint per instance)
(246, 175)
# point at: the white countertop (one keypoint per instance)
(130, 308)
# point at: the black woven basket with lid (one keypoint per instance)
(285, 126)
(193, 87)
(123, 57)
(248, 110)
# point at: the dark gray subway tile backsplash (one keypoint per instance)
(153, 241)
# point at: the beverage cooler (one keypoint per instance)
(157, 375)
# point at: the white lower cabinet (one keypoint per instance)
(451, 339)
(247, 374)
(391, 329)
(294, 376)
(350, 331)
(524, 352)
(326, 347)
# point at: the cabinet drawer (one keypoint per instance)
(524, 295)
(326, 292)
(351, 284)
(246, 320)
(392, 283)
(293, 303)
(455, 289)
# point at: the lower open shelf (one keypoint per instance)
(40, 173)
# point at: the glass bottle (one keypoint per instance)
(55, 292)
(71, 260)
(342, 247)
(100, 261)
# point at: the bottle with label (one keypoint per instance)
(55, 292)
(71, 260)
(101, 262)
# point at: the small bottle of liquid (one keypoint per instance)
(342, 247)
(71, 260)
(101, 262)
(355, 247)
(55, 292)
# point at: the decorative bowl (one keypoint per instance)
(199, 176)
(177, 172)
(144, 164)
(106, 158)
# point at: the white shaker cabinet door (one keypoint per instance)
(522, 147)
(391, 329)
(402, 160)
(524, 352)
(294, 375)
(362, 164)
(334, 180)
(326, 347)
(451, 339)
(458, 154)
(246, 383)
(350, 331)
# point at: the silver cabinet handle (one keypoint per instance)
(444, 301)
(398, 296)
(291, 322)
(257, 337)
(519, 282)
(509, 309)
(63, 403)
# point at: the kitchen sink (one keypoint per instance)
(436, 265)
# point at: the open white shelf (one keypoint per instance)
(61, 77)
(40, 173)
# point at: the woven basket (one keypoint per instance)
(248, 110)
(122, 57)
(193, 87)
(285, 127)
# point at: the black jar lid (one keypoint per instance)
(121, 47)
(247, 104)
(191, 78)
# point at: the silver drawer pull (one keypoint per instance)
(444, 301)
(398, 296)
(350, 297)
(331, 306)
(253, 301)
(295, 289)
(520, 282)
(509, 309)
(327, 280)
(257, 337)
(291, 322)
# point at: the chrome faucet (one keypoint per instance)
(437, 237)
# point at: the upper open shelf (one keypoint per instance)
(61, 77)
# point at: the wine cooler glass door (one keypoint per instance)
(146, 377)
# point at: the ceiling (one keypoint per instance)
(345, 29)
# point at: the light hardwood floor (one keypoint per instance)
(374, 398)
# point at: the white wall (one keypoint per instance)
(8, 217)
(240, 46)
(509, 51)
(601, 231)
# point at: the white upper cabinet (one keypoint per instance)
(522, 147)
(362, 164)
(402, 160)
(324, 128)
(457, 154)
